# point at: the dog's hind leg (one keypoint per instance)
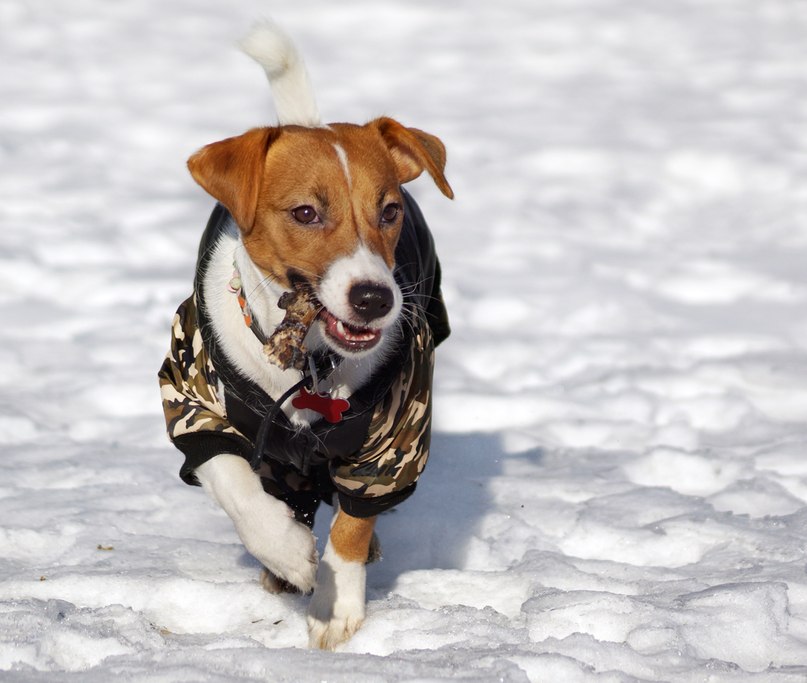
(337, 606)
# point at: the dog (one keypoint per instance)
(308, 207)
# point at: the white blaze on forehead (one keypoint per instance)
(342, 154)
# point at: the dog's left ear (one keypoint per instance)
(231, 171)
(414, 151)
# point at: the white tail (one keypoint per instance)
(293, 95)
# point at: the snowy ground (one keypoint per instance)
(618, 486)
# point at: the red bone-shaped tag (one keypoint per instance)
(330, 408)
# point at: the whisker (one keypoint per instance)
(263, 284)
(428, 297)
(415, 313)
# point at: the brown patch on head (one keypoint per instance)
(303, 169)
(304, 197)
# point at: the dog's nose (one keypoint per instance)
(370, 301)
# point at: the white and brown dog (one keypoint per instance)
(304, 205)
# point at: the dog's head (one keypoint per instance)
(323, 206)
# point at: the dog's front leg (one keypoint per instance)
(265, 525)
(337, 607)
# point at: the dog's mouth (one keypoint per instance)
(350, 338)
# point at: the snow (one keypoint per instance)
(618, 483)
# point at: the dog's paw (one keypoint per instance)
(284, 546)
(327, 635)
(290, 554)
(337, 606)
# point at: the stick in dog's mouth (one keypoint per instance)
(285, 347)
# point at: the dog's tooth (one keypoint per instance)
(340, 327)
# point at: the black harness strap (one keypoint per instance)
(269, 418)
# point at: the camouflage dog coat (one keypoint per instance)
(373, 457)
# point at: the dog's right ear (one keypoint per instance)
(232, 171)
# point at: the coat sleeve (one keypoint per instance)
(194, 413)
(397, 447)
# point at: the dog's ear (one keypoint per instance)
(414, 151)
(232, 171)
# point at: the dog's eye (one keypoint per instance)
(390, 213)
(307, 215)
